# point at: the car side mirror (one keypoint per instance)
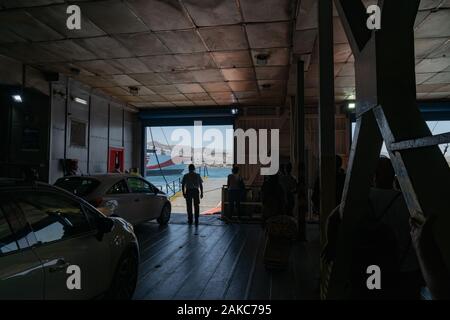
(105, 225)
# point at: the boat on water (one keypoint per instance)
(160, 162)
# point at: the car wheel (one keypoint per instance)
(165, 215)
(125, 278)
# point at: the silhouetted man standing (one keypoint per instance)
(192, 187)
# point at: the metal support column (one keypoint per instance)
(327, 150)
(300, 157)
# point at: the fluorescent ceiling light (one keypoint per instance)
(17, 98)
(352, 106)
(79, 100)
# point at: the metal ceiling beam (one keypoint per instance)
(301, 154)
(354, 23)
(421, 142)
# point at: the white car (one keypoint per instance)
(47, 234)
(127, 196)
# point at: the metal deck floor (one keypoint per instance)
(219, 261)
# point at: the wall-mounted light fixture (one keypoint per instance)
(17, 98)
(234, 111)
(79, 100)
(351, 106)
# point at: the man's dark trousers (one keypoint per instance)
(234, 200)
(193, 195)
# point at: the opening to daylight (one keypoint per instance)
(171, 149)
(436, 127)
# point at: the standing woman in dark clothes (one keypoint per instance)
(235, 183)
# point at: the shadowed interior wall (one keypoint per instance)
(24, 127)
(131, 133)
(108, 124)
(98, 137)
(48, 111)
(23, 132)
(15, 73)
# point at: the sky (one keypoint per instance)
(160, 134)
(436, 127)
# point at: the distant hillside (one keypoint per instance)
(166, 149)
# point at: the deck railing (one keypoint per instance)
(171, 188)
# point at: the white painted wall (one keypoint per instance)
(109, 124)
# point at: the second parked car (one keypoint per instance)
(127, 196)
(54, 245)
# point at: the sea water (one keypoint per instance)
(211, 172)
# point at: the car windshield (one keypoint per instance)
(81, 186)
